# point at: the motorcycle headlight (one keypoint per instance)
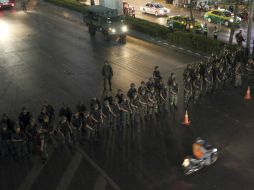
(124, 28)
(231, 20)
(186, 162)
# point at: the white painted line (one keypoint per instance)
(165, 43)
(159, 41)
(100, 183)
(69, 172)
(206, 57)
(180, 48)
(101, 171)
(173, 46)
(152, 39)
(189, 51)
(197, 53)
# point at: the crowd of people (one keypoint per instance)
(211, 77)
(32, 134)
(114, 113)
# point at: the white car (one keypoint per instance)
(155, 9)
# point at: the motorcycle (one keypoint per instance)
(191, 164)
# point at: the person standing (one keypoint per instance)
(205, 28)
(215, 33)
(107, 73)
(239, 38)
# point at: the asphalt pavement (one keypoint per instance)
(44, 56)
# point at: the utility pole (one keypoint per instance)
(251, 14)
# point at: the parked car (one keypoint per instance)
(7, 3)
(155, 9)
(179, 23)
(221, 16)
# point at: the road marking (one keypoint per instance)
(197, 54)
(159, 41)
(100, 183)
(165, 43)
(173, 46)
(189, 51)
(180, 48)
(69, 172)
(101, 171)
(30, 178)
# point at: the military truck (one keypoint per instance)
(107, 21)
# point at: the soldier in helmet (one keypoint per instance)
(76, 125)
(143, 104)
(119, 95)
(107, 114)
(150, 83)
(65, 111)
(18, 140)
(135, 105)
(208, 80)
(31, 133)
(5, 137)
(187, 91)
(126, 113)
(173, 93)
(97, 120)
(132, 91)
(41, 140)
(197, 88)
(142, 87)
(238, 75)
(65, 130)
(24, 118)
(116, 109)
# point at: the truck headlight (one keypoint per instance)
(124, 28)
(231, 20)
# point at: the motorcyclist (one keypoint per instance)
(200, 151)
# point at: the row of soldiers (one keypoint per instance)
(30, 135)
(211, 77)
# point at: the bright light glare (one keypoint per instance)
(4, 29)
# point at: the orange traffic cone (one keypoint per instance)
(247, 96)
(186, 119)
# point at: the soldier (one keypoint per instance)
(156, 75)
(94, 101)
(5, 137)
(150, 83)
(172, 77)
(187, 92)
(65, 130)
(81, 108)
(24, 118)
(76, 125)
(142, 87)
(197, 88)
(87, 128)
(43, 114)
(132, 91)
(163, 99)
(65, 111)
(173, 93)
(97, 119)
(154, 98)
(116, 109)
(50, 111)
(119, 95)
(126, 113)
(135, 105)
(107, 73)
(42, 143)
(18, 140)
(143, 104)
(31, 133)
(10, 124)
(107, 114)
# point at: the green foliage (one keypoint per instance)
(70, 4)
(179, 38)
